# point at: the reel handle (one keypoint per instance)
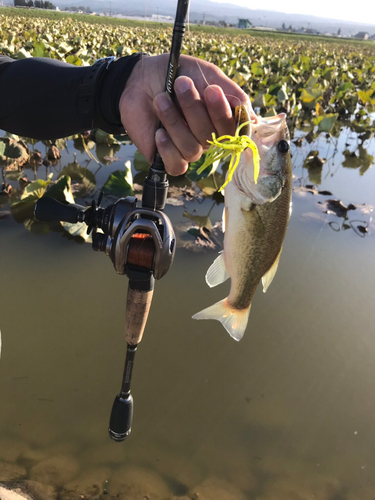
(48, 209)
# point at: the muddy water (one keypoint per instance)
(286, 413)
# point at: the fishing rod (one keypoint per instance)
(140, 291)
(140, 242)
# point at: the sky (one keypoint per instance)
(334, 9)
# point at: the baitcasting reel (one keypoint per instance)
(137, 240)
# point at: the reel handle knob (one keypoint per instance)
(49, 209)
(120, 422)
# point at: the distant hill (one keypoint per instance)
(211, 11)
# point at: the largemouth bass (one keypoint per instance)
(255, 222)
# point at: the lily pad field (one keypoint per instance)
(286, 414)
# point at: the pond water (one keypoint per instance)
(287, 413)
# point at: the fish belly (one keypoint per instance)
(246, 253)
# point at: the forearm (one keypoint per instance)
(45, 99)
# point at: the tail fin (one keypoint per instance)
(233, 320)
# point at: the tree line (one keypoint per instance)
(38, 4)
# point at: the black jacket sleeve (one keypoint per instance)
(48, 99)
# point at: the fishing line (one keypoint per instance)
(317, 237)
(143, 84)
(199, 66)
(191, 50)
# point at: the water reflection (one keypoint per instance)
(286, 413)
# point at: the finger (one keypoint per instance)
(219, 110)
(194, 110)
(204, 73)
(174, 163)
(178, 130)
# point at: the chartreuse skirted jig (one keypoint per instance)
(231, 145)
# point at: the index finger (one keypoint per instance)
(205, 74)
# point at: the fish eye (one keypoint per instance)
(283, 146)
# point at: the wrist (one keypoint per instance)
(112, 80)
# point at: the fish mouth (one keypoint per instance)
(281, 117)
(270, 130)
(266, 133)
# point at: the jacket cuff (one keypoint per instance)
(111, 83)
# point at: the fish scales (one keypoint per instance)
(256, 218)
(259, 232)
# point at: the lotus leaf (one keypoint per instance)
(119, 183)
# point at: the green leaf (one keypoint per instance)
(140, 162)
(257, 69)
(240, 79)
(310, 96)
(271, 112)
(10, 149)
(200, 220)
(259, 101)
(36, 226)
(102, 137)
(366, 96)
(360, 159)
(325, 122)
(211, 184)
(35, 189)
(60, 144)
(78, 229)
(274, 89)
(22, 54)
(61, 190)
(271, 100)
(311, 82)
(79, 174)
(24, 208)
(39, 49)
(71, 59)
(194, 166)
(305, 62)
(13, 175)
(119, 183)
(328, 73)
(64, 47)
(282, 95)
(344, 88)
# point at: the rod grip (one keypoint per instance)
(138, 305)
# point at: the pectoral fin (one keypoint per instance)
(216, 273)
(270, 274)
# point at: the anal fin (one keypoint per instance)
(270, 274)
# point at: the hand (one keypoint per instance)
(205, 97)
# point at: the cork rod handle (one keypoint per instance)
(137, 308)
